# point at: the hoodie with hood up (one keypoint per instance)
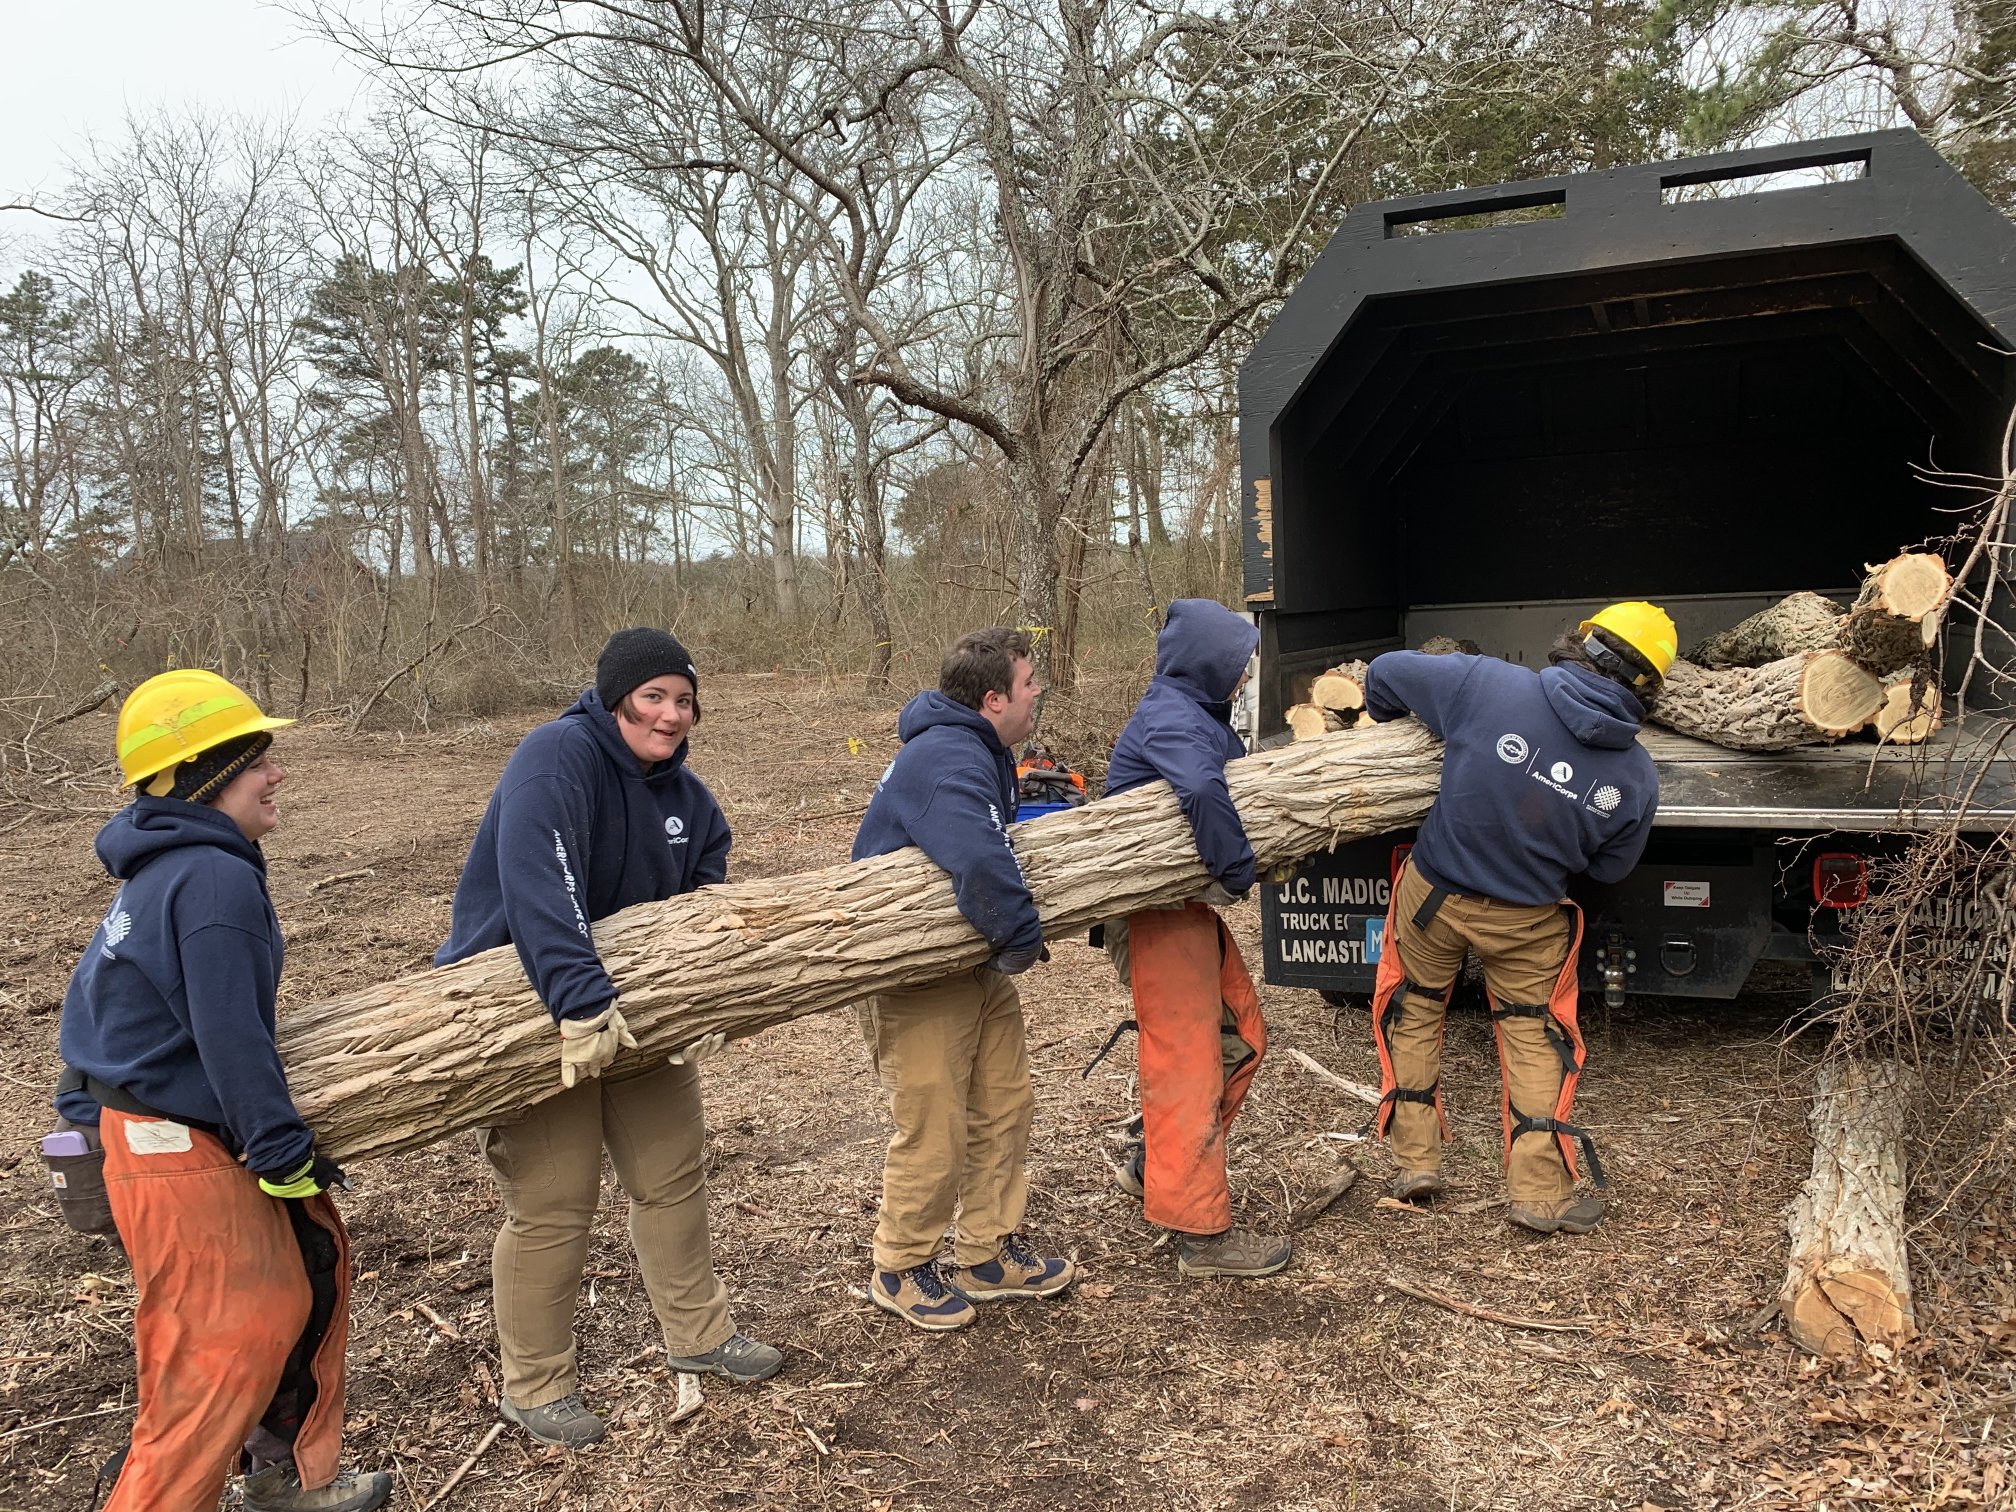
(576, 830)
(173, 1000)
(951, 793)
(1182, 734)
(1542, 773)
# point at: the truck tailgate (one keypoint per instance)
(1851, 786)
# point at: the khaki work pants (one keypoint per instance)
(549, 1168)
(1522, 948)
(955, 1065)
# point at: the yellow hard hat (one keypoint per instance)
(1645, 628)
(175, 715)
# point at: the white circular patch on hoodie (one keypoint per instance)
(1512, 748)
(675, 827)
(1606, 798)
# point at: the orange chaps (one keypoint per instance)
(1562, 1034)
(1201, 1040)
(223, 1329)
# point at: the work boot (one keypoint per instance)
(742, 1360)
(920, 1296)
(1418, 1186)
(1236, 1252)
(1567, 1215)
(567, 1422)
(277, 1488)
(1131, 1175)
(1016, 1273)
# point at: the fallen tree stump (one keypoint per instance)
(402, 1064)
(1800, 700)
(1848, 1279)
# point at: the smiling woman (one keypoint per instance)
(597, 810)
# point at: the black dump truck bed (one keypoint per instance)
(1487, 413)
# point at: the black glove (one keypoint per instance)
(1015, 962)
(317, 1174)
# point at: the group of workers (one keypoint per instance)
(223, 1202)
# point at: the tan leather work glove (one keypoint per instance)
(700, 1049)
(1219, 896)
(589, 1044)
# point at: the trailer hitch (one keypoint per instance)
(1619, 961)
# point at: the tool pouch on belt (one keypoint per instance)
(79, 1182)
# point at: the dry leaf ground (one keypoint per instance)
(1665, 1386)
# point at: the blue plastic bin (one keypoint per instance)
(1037, 810)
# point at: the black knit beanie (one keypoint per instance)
(206, 774)
(633, 657)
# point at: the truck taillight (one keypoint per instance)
(1399, 860)
(1840, 880)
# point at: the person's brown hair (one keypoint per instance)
(1569, 651)
(982, 662)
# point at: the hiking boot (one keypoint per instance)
(1569, 1215)
(277, 1488)
(1131, 1177)
(742, 1360)
(567, 1422)
(1236, 1252)
(1017, 1272)
(1418, 1186)
(919, 1295)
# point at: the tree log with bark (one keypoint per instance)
(1895, 618)
(1847, 1279)
(408, 1062)
(1341, 690)
(1799, 700)
(1798, 622)
(1910, 714)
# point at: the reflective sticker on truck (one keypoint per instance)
(1686, 894)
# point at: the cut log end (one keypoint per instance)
(1910, 586)
(1337, 692)
(1910, 713)
(1307, 721)
(1836, 696)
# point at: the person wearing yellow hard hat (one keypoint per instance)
(1543, 778)
(213, 1178)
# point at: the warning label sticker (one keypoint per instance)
(1686, 894)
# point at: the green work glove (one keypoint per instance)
(589, 1044)
(700, 1049)
(317, 1175)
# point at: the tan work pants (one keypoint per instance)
(1521, 947)
(549, 1168)
(955, 1065)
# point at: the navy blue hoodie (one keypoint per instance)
(1542, 773)
(951, 793)
(1182, 733)
(575, 831)
(173, 1000)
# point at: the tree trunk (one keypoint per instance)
(1340, 689)
(1910, 712)
(1895, 617)
(1799, 622)
(1800, 700)
(1847, 1279)
(400, 1065)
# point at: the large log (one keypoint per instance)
(1910, 714)
(1341, 689)
(402, 1064)
(1895, 618)
(1798, 622)
(1847, 1278)
(1800, 700)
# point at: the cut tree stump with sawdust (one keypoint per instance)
(1910, 714)
(1895, 618)
(1847, 1278)
(1799, 700)
(402, 1064)
(1797, 622)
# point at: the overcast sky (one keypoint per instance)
(75, 68)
